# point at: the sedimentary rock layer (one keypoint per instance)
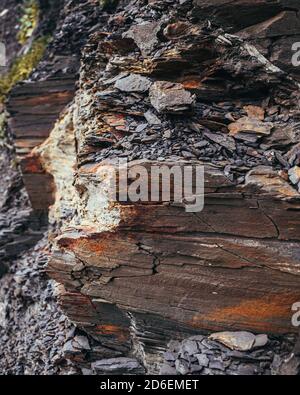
(202, 83)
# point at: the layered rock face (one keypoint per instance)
(167, 83)
(167, 87)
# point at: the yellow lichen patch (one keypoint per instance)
(22, 67)
(29, 20)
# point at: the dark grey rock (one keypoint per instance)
(133, 83)
(167, 97)
(167, 370)
(118, 366)
(222, 139)
(189, 346)
(151, 118)
(202, 360)
(182, 366)
(145, 36)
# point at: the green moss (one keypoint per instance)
(29, 20)
(22, 67)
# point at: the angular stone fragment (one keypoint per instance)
(118, 366)
(281, 136)
(269, 182)
(189, 346)
(133, 83)
(145, 36)
(202, 360)
(250, 125)
(168, 97)
(81, 342)
(182, 366)
(294, 175)
(240, 341)
(255, 112)
(283, 24)
(221, 139)
(151, 118)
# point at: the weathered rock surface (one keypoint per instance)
(169, 84)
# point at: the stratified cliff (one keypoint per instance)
(156, 83)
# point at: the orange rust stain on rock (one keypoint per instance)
(112, 330)
(191, 84)
(270, 314)
(32, 164)
(97, 246)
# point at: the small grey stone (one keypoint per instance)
(182, 366)
(294, 175)
(167, 134)
(81, 343)
(141, 127)
(217, 365)
(167, 370)
(261, 341)
(168, 97)
(189, 346)
(202, 359)
(69, 348)
(169, 356)
(151, 118)
(222, 139)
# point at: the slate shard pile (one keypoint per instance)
(201, 355)
(166, 82)
(33, 330)
(20, 227)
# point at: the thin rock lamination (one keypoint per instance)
(137, 275)
(171, 83)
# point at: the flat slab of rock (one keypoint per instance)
(240, 341)
(250, 126)
(145, 36)
(117, 366)
(294, 175)
(168, 97)
(133, 83)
